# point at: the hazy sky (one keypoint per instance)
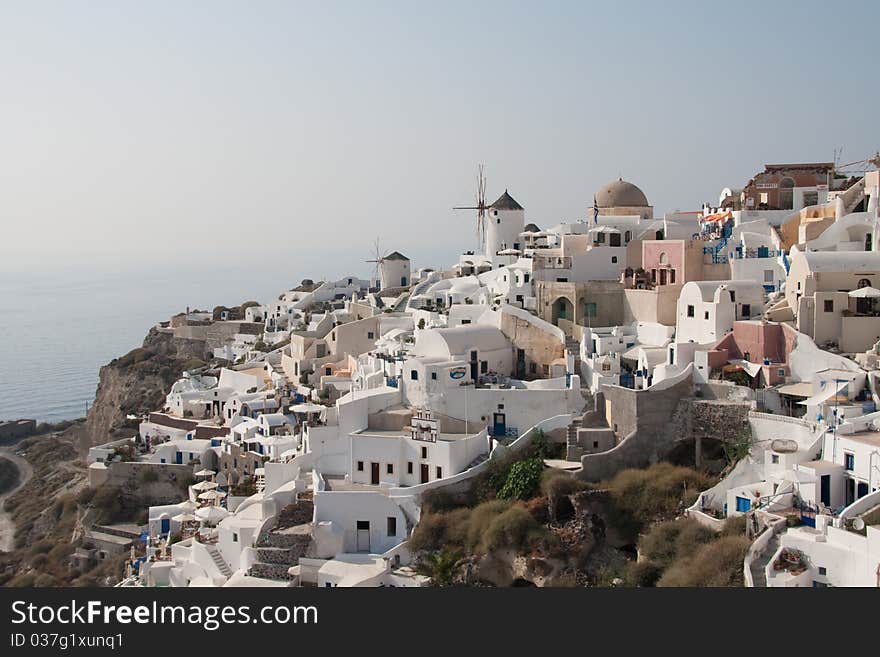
(173, 131)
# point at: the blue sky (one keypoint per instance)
(136, 132)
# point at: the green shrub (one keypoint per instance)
(523, 480)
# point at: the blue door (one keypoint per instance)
(164, 526)
(178, 457)
(499, 425)
(743, 504)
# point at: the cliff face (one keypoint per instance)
(138, 382)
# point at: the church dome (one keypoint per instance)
(621, 194)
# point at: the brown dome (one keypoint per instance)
(621, 194)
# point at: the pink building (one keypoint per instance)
(673, 262)
(762, 343)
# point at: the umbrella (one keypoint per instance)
(204, 485)
(184, 517)
(205, 473)
(308, 408)
(212, 514)
(865, 293)
(187, 506)
(212, 495)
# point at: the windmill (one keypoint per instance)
(480, 207)
(377, 259)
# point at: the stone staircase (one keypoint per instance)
(219, 561)
(281, 547)
(759, 577)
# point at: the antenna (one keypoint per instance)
(480, 206)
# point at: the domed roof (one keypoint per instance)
(621, 194)
(531, 228)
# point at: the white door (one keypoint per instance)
(363, 535)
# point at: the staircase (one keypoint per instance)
(219, 561)
(759, 576)
(280, 548)
(573, 451)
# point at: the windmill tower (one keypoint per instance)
(392, 270)
(498, 225)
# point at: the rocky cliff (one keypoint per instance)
(138, 381)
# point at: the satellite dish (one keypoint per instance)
(858, 524)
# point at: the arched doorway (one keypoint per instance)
(786, 194)
(562, 309)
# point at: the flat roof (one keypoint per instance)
(377, 433)
(864, 437)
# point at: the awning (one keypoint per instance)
(865, 293)
(718, 216)
(801, 389)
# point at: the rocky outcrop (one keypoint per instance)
(138, 381)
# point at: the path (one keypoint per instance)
(7, 526)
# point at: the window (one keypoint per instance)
(672, 277)
(781, 371)
(595, 444)
(414, 375)
(775, 458)
(849, 461)
(590, 309)
(328, 371)
(746, 310)
(360, 466)
(433, 376)
(690, 311)
(389, 468)
(234, 537)
(409, 467)
(526, 278)
(768, 275)
(392, 526)
(600, 238)
(439, 472)
(732, 295)
(370, 335)
(706, 315)
(424, 452)
(484, 366)
(828, 305)
(533, 368)
(613, 260)
(823, 570)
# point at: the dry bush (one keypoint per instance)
(642, 573)
(673, 540)
(660, 492)
(557, 486)
(513, 529)
(719, 563)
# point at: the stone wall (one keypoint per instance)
(169, 486)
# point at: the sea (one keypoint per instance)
(58, 327)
